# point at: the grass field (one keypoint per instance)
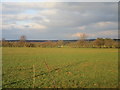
(60, 68)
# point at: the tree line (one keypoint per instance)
(82, 43)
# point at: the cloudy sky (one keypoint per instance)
(57, 20)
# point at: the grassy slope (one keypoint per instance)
(69, 67)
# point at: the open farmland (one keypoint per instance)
(60, 68)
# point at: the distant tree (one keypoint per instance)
(23, 38)
(22, 42)
(116, 44)
(108, 42)
(99, 42)
(30, 45)
(82, 40)
(83, 36)
(4, 43)
(60, 43)
(49, 43)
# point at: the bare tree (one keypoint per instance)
(22, 42)
(23, 38)
(81, 42)
(83, 36)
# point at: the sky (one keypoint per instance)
(59, 20)
(60, 0)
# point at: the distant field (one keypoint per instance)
(60, 68)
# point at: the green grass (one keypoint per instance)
(69, 68)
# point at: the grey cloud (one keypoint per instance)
(61, 19)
